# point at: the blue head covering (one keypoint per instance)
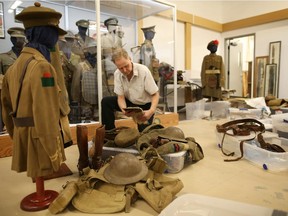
(42, 38)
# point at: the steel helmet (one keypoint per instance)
(125, 168)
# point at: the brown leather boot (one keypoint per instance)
(99, 142)
(82, 143)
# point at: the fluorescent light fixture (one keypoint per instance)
(16, 4)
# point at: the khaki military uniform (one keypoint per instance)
(37, 138)
(69, 68)
(84, 89)
(109, 41)
(80, 44)
(148, 58)
(213, 76)
(6, 60)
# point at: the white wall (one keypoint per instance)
(200, 39)
(264, 34)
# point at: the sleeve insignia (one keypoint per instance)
(47, 80)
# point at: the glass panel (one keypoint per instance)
(79, 47)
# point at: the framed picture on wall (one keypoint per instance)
(259, 75)
(271, 80)
(274, 52)
(2, 28)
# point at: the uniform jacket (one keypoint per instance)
(6, 60)
(37, 149)
(213, 61)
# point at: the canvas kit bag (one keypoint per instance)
(94, 193)
(169, 140)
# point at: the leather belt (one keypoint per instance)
(24, 122)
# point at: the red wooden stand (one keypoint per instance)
(39, 200)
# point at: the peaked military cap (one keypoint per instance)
(111, 21)
(16, 32)
(40, 16)
(82, 23)
(150, 28)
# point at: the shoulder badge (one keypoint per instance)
(47, 80)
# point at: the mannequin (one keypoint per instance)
(109, 41)
(69, 60)
(17, 37)
(148, 54)
(213, 73)
(82, 40)
(34, 103)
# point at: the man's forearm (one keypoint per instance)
(154, 102)
(121, 103)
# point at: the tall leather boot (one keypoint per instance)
(99, 142)
(82, 143)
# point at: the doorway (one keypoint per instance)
(239, 56)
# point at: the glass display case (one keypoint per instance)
(87, 64)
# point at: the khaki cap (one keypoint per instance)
(16, 32)
(150, 28)
(40, 16)
(82, 23)
(126, 137)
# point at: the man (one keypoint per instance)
(134, 86)
(33, 99)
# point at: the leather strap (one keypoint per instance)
(23, 121)
(243, 127)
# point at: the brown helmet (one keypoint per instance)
(125, 168)
(174, 132)
(126, 137)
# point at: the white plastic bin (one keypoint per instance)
(195, 110)
(175, 161)
(201, 205)
(272, 161)
(280, 124)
